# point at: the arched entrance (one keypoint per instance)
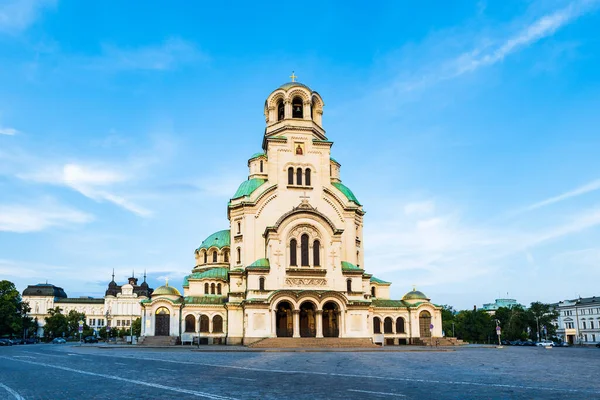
(162, 322)
(331, 327)
(424, 324)
(308, 327)
(284, 320)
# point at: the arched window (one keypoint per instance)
(304, 250)
(212, 288)
(261, 283)
(349, 285)
(239, 225)
(316, 253)
(217, 324)
(387, 325)
(226, 256)
(190, 323)
(293, 249)
(290, 176)
(373, 291)
(307, 177)
(218, 288)
(299, 176)
(204, 323)
(206, 288)
(205, 257)
(376, 325)
(215, 256)
(400, 325)
(297, 108)
(280, 110)
(239, 255)
(261, 165)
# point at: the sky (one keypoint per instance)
(468, 130)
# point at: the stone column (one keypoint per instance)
(319, 323)
(274, 323)
(296, 314)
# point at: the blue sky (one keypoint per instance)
(468, 130)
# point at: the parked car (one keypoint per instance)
(544, 343)
(90, 339)
(31, 340)
(561, 344)
(15, 341)
(528, 343)
(5, 342)
(58, 340)
(598, 345)
(506, 343)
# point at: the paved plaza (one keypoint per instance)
(47, 371)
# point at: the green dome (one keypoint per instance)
(288, 85)
(218, 239)
(166, 290)
(415, 295)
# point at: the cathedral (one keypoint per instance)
(291, 263)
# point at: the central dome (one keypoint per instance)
(288, 85)
(166, 290)
(415, 295)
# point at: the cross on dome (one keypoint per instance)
(293, 77)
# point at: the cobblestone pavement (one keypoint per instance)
(78, 372)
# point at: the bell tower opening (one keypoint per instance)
(297, 108)
(280, 110)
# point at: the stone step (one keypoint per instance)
(289, 343)
(158, 341)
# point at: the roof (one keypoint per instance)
(415, 295)
(218, 239)
(346, 266)
(262, 263)
(256, 155)
(205, 299)
(214, 273)
(379, 281)
(289, 85)
(388, 303)
(334, 160)
(346, 191)
(248, 187)
(166, 290)
(44, 289)
(80, 300)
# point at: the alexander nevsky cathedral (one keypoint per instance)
(291, 261)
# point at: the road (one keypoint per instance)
(47, 371)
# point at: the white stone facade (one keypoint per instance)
(579, 320)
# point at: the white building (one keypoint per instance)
(579, 320)
(291, 262)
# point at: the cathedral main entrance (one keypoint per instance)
(331, 320)
(424, 324)
(162, 322)
(308, 326)
(284, 322)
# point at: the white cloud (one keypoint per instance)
(18, 15)
(93, 182)
(8, 131)
(419, 208)
(581, 190)
(21, 219)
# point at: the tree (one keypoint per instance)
(474, 326)
(56, 324)
(448, 314)
(137, 327)
(513, 321)
(541, 315)
(73, 319)
(10, 310)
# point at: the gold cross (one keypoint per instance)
(293, 77)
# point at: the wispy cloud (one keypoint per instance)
(18, 15)
(496, 50)
(8, 131)
(93, 182)
(170, 54)
(21, 219)
(581, 190)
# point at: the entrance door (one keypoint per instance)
(424, 324)
(331, 320)
(308, 326)
(284, 321)
(162, 322)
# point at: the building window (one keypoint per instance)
(373, 291)
(304, 250)
(299, 177)
(261, 165)
(376, 325)
(226, 256)
(206, 288)
(591, 324)
(261, 284)
(218, 288)
(307, 176)
(118, 322)
(297, 108)
(387, 325)
(204, 323)
(239, 255)
(212, 288)
(217, 324)
(290, 176)
(214, 255)
(583, 324)
(190, 323)
(293, 250)
(316, 253)
(400, 325)
(593, 337)
(239, 226)
(280, 110)
(349, 285)
(205, 257)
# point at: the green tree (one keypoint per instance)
(448, 320)
(474, 326)
(540, 315)
(56, 324)
(137, 327)
(513, 321)
(10, 310)
(73, 319)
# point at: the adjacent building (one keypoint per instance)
(491, 308)
(579, 320)
(290, 263)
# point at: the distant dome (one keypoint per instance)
(112, 284)
(415, 295)
(288, 85)
(166, 290)
(218, 239)
(144, 284)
